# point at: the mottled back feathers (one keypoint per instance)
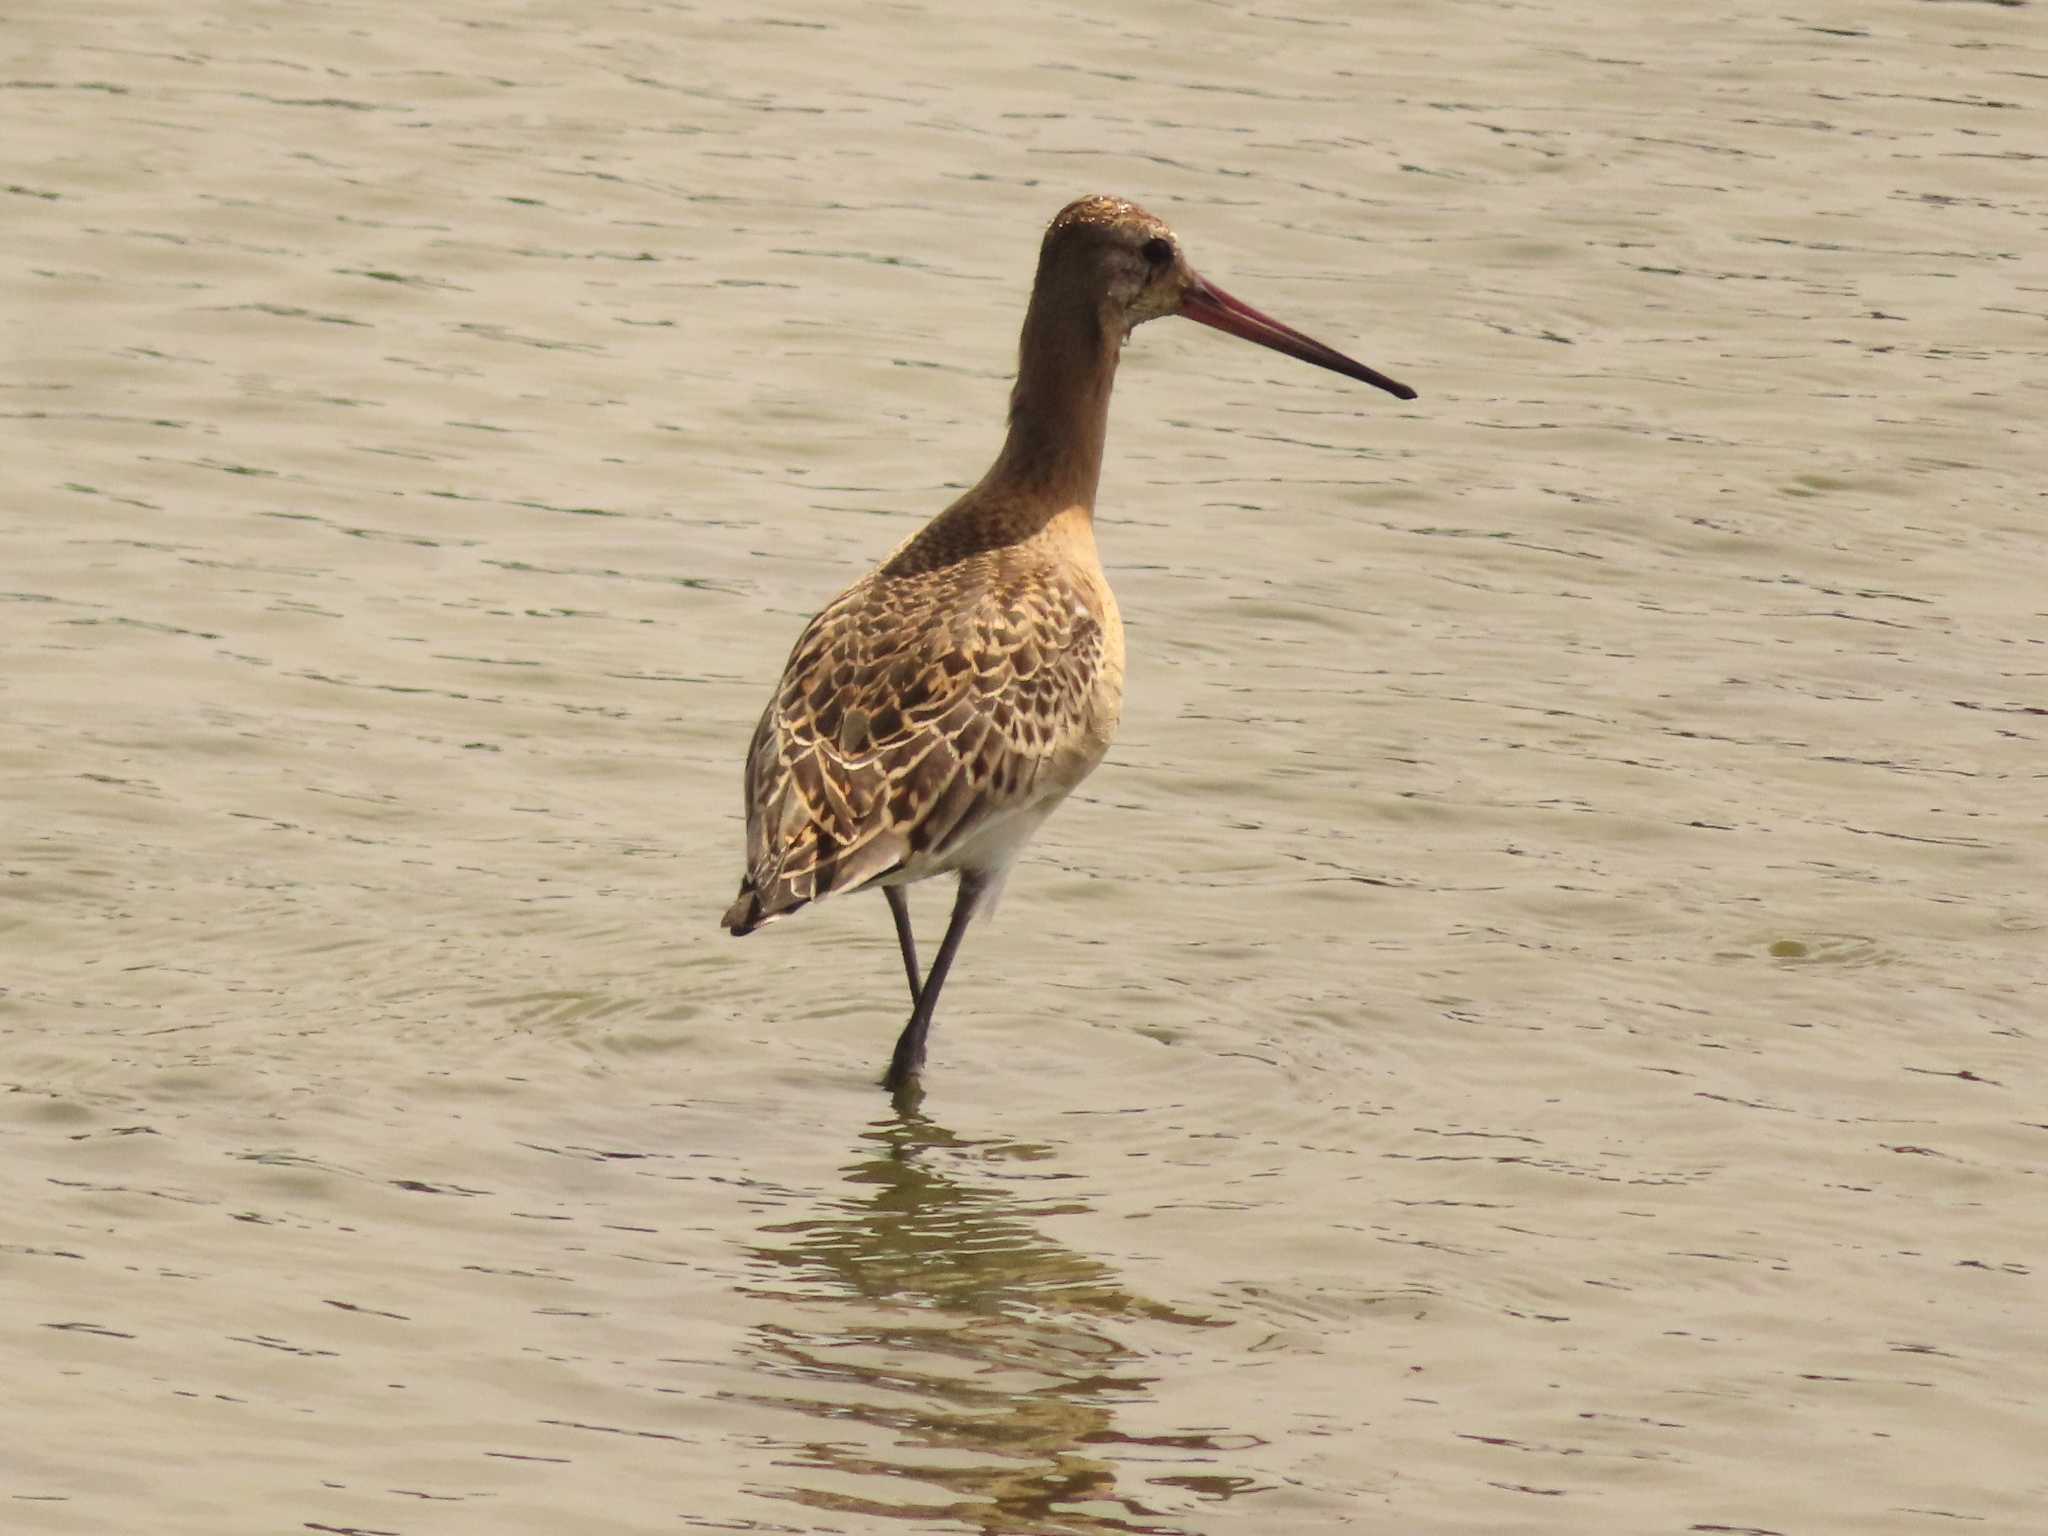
(954, 683)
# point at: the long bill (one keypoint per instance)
(1209, 305)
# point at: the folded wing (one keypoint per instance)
(912, 711)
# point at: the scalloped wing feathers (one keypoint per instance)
(926, 700)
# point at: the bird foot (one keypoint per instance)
(906, 1067)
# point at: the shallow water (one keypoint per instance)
(1535, 1027)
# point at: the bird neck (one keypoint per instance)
(1059, 407)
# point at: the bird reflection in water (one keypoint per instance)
(930, 1309)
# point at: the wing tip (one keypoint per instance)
(744, 915)
(749, 912)
(851, 868)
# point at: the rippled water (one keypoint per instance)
(1535, 1027)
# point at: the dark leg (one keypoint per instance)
(899, 908)
(908, 1061)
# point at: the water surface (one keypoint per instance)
(1533, 1028)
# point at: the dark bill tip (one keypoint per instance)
(1206, 304)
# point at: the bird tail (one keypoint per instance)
(744, 915)
(748, 911)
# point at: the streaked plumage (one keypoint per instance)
(938, 709)
(966, 680)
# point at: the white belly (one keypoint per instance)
(989, 849)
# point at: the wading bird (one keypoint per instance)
(943, 705)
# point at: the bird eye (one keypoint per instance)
(1158, 251)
